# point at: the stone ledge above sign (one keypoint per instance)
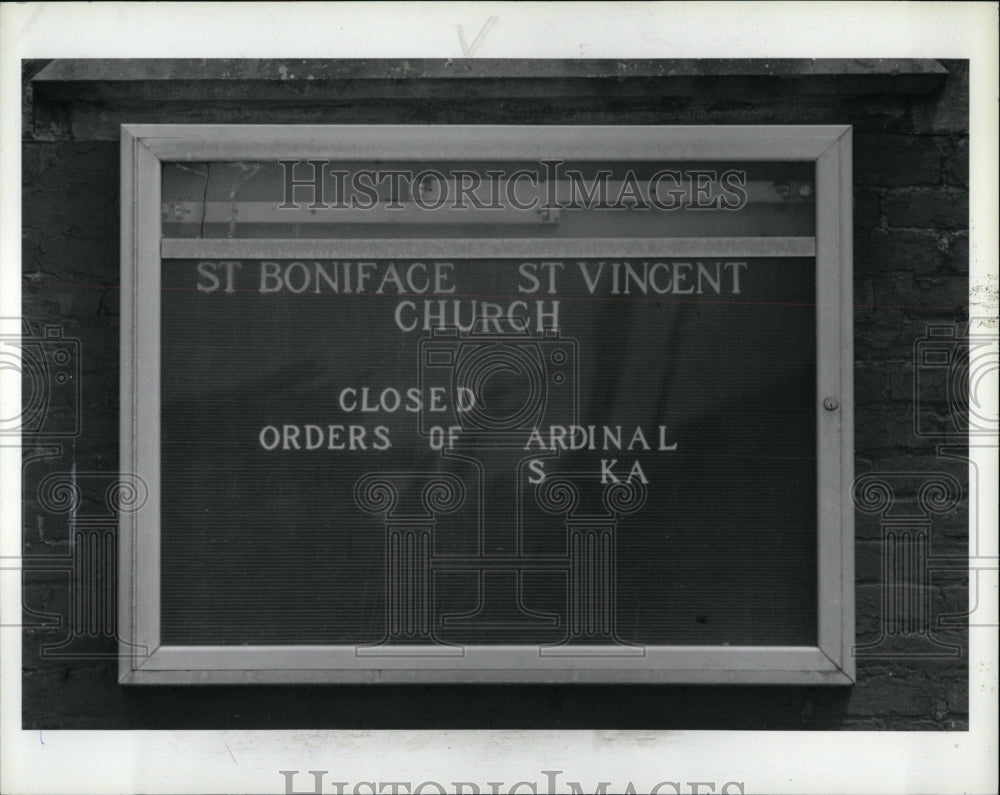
(86, 99)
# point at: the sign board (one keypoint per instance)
(482, 404)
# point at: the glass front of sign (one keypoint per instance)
(487, 404)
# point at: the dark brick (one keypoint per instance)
(867, 527)
(867, 210)
(900, 383)
(949, 600)
(868, 385)
(868, 619)
(892, 159)
(868, 550)
(902, 461)
(864, 291)
(898, 250)
(884, 382)
(91, 687)
(911, 667)
(880, 429)
(950, 543)
(863, 724)
(891, 695)
(947, 108)
(956, 163)
(907, 291)
(946, 604)
(900, 723)
(956, 258)
(927, 208)
(888, 332)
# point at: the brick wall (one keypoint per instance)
(911, 272)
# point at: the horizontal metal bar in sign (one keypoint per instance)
(473, 248)
(406, 212)
(445, 203)
(451, 664)
(455, 142)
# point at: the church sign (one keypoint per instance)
(487, 404)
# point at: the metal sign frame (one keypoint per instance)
(144, 660)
